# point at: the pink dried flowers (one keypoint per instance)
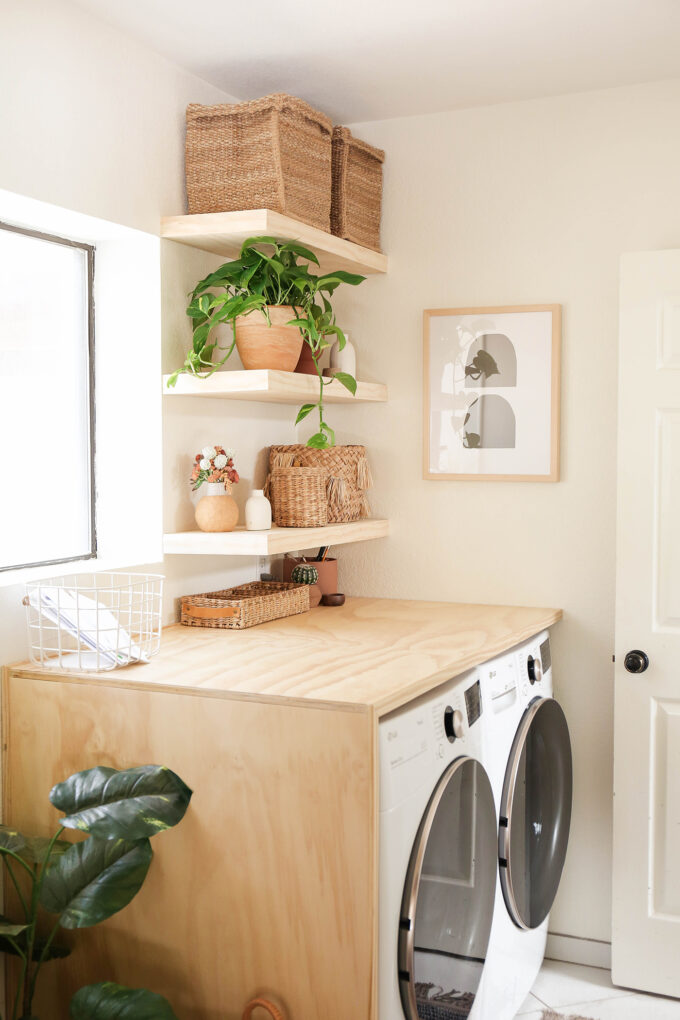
(214, 464)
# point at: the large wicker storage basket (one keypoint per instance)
(245, 606)
(357, 189)
(271, 153)
(347, 473)
(298, 497)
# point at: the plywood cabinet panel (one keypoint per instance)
(268, 884)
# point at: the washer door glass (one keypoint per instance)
(535, 813)
(448, 900)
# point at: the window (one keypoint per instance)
(46, 399)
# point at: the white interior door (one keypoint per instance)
(646, 907)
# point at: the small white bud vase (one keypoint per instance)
(344, 360)
(217, 510)
(258, 511)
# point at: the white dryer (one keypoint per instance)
(475, 801)
(527, 754)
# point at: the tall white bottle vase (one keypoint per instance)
(258, 511)
(344, 360)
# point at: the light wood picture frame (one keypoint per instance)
(491, 393)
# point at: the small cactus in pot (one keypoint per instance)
(304, 573)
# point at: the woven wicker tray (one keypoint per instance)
(245, 606)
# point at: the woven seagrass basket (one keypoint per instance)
(298, 497)
(245, 606)
(347, 476)
(271, 153)
(357, 189)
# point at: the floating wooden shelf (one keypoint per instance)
(223, 234)
(271, 387)
(278, 540)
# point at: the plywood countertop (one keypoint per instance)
(368, 654)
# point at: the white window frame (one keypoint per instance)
(89, 250)
(126, 299)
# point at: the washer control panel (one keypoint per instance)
(473, 702)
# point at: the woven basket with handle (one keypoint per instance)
(245, 606)
(347, 476)
(357, 189)
(254, 1004)
(271, 153)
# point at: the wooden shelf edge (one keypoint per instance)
(223, 233)
(271, 387)
(278, 540)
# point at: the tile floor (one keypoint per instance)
(570, 989)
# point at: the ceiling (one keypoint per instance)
(373, 59)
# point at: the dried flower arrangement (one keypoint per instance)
(214, 464)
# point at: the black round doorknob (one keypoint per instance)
(636, 661)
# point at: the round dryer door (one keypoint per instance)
(535, 813)
(448, 899)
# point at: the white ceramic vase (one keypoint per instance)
(258, 512)
(344, 360)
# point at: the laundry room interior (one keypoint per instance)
(381, 302)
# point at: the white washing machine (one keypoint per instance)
(479, 768)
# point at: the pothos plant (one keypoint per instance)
(268, 272)
(59, 884)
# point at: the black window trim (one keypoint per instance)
(89, 249)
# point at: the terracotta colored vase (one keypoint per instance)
(306, 363)
(263, 346)
(216, 511)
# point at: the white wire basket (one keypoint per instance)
(94, 622)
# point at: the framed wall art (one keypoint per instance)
(492, 393)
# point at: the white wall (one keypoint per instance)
(94, 122)
(518, 204)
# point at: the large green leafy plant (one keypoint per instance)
(268, 272)
(83, 883)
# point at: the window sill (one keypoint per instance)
(22, 575)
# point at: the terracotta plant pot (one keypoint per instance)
(263, 346)
(306, 363)
(216, 511)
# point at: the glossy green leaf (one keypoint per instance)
(109, 1001)
(304, 411)
(12, 840)
(318, 441)
(347, 380)
(299, 249)
(340, 276)
(31, 849)
(127, 804)
(36, 849)
(250, 242)
(14, 944)
(9, 928)
(94, 880)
